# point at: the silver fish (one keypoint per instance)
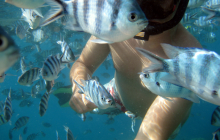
(164, 89)
(27, 78)
(193, 68)
(68, 55)
(23, 65)
(58, 138)
(110, 20)
(22, 121)
(202, 21)
(211, 13)
(33, 4)
(69, 134)
(216, 135)
(209, 37)
(9, 52)
(51, 68)
(43, 104)
(20, 137)
(38, 47)
(216, 117)
(96, 93)
(8, 107)
(83, 117)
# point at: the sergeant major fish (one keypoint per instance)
(67, 52)
(216, 135)
(43, 104)
(9, 52)
(96, 93)
(2, 120)
(8, 107)
(164, 89)
(22, 121)
(29, 76)
(193, 68)
(110, 20)
(69, 134)
(216, 117)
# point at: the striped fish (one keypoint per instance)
(32, 136)
(51, 67)
(68, 55)
(49, 85)
(164, 89)
(58, 138)
(193, 68)
(22, 121)
(2, 119)
(27, 78)
(110, 20)
(8, 107)
(216, 135)
(23, 65)
(69, 134)
(216, 117)
(96, 93)
(43, 104)
(25, 130)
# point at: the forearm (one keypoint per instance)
(162, 118)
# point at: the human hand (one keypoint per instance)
(79, 103)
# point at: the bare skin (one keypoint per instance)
(160, 117)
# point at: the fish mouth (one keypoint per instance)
(142, 24)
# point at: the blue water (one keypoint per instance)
(198, 124)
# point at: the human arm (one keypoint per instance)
(90, 59)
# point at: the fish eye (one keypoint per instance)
(158, 84)
(103, 99)
(132, 17)
(146, 75)
(3, 43)
(214, 92)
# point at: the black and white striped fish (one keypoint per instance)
(193, 68)
(69, 134)
(2, 119)
(43, 104)
(68, 55)
(22, 121)
(165, 89)
(110, 20)
(216, 117)
(49, 85)
(29, 76)
(58, 138)
(216, 135)
(8, 107)
(52, 67)
(96, 93)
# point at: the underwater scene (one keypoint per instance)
(38, 49)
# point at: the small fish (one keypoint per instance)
(34, 91)
(2, 119)
(20, 137)
(209, 37)
(33, 4)
(69, 134)
(96, 93)
(25, 130)
(202, 21)
(22, 121)
(216, 135)
(49, 86)
(124, 19)
(193, 68)
(195, 3)
(68, 55)
(9, 52)
(8, 107)
(58, 138)
(43, 134)
(23, 65)
(10, 134)
(51, 68)
(38, 35)
(45, 124)
(44, 104)
(216, 117)
(38, 47)
(164, 89)
(213, 3)
(32, 136)
(83, 117)
(29, 76)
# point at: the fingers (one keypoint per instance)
(80, 104)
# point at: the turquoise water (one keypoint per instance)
(198, 124)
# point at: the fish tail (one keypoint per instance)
(211, 13)
(157, 63)
(58, 9)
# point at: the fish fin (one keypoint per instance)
(166, 98)
(79, 86)
(170, 51)
(156, 62)
(56, 11)
(193, 97)
(170, 79)
(100, 41)
(38, 12)
(211, 13)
